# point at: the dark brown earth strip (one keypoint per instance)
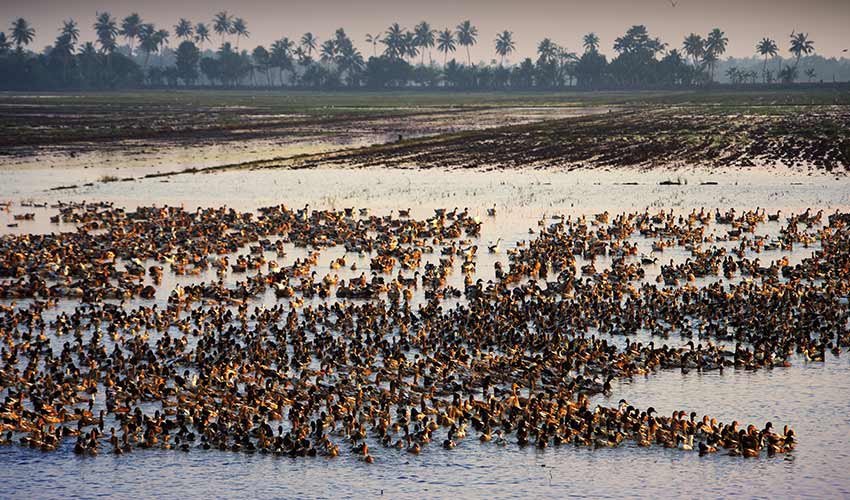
(815, 139)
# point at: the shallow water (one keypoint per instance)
(133, 158)
(812, 398)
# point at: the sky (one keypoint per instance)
(564, 21)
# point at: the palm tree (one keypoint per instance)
(183, 29)
(408, 45)
(732, 74)
(373, 40)
(466, 36)
(446, 43)
(280, 56)
(309, 43)
(328, 51)
(800, 44)
(424, 39)
(694, 46)
(222, 24)
(202, 34)
(71, 29)
(766, 47)
(788, 74)
(130, 27)
(395, 42)
(160, 39)
(63, 50)
(715, 44)
(240, 29)
(504, 45)
(106, 30)
(300, 55)
(262, 60)
(22, 32)
(5, 44)
(547, 50)
(590, 42)
(147, 41)
(810, 74)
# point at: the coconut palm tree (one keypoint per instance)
(424, 39)
(373, 40)
(281, 56)
(800, 44)
(63, 50)
(183, 29)
(106, 30)
(328, 52)
(309, 43)
(810, 74)
(408, 45)
(694, 46)
(5, 44)
(788, 74)
(240, 29)
(202, 34)
(590, 42)
(446, 43)
(22, 32)
(130, 27)
(504, 45)
(148, 41)
(300, 55)
(222, 24)
(715, 44)
(547, 50)
(71, 29)
(767, 48)
(261, 59)
(160, 39)
(395, 42)
(467, 36)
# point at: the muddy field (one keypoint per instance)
(166, 132)
(811, 138)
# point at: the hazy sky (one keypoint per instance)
(565, 21)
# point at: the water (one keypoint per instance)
(812, 398)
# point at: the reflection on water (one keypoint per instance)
(89, 161)
(812, 398)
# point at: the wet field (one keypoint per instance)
(811, 397)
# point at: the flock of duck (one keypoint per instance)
(253, 351)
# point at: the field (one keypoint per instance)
(806, 130)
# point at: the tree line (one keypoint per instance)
(397, 59)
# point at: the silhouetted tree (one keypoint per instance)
(222, 24)
(424, 39)
(504, 45)
(22, 32)
(131, 27)
(446, 43)
(767, 48)
(183, 29)
(467, 36)
(187, 58)
(590, 42)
